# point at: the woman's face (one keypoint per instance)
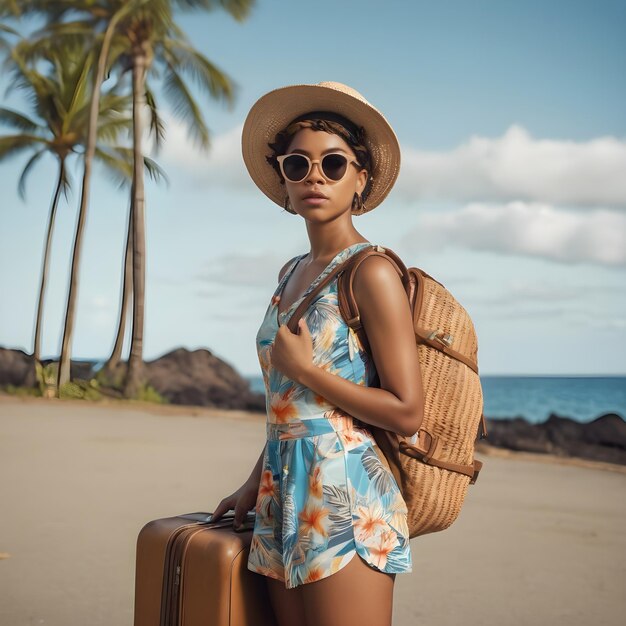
(339, 194)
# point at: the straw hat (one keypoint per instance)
(274, 111)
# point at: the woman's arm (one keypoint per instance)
(398, 405)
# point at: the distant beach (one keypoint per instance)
(536, 543)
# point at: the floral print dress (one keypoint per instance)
(324, 494)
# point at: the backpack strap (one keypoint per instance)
(425, 450)
(412, 281)
(339, 269)
(483, 426)
(429, 452)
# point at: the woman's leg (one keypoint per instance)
(355, 595)
(287, 603)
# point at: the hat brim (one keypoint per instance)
(273, 111)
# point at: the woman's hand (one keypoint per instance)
(242, 501)
(292, 354)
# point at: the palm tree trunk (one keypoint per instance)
(134, 372)
(46, 259)
(116, 354)
(90, 149)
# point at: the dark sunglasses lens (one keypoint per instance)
(295, 167)
(334, 166)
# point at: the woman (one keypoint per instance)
(330, 527)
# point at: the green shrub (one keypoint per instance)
(147, 393)
(80, 390)
(46, 378)
(113, 382)
(15, 390)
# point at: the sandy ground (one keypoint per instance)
(536, 543)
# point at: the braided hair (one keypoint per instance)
(330, 122)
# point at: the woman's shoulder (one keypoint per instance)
(381, 299)
(376, 281)
(375, 271)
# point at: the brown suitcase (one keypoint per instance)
(190, 572)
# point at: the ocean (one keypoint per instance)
(582, 398)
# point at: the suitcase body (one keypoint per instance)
(190, 572)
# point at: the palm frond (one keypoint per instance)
(118, 58)
(180, 55)
(207, 5)
(120, 169)
(60, 96)
(79, 90)
(155, 171)
(185, 107)
(239, 9)
(7, 30)
(44, 43)
(119, 161)
(18, 121)
(10, 145)
(157, 126)
(110, 128)
(54, 8)
(84, 29)
(11, 8)
(25, 77)
(21, 185)
(114, 105)
(66, 183)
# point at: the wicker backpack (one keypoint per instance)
(434, 467)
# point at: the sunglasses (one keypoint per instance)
(296, 167)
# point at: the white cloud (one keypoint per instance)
(517, 166)
(101, 310)
(222, 163)
(530, 229)
(245, 270)
(511, 187)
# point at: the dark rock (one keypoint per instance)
(183, 377)
(603, 439)
(607, 430)
(198, 377)
(17, 368)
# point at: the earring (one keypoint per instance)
(360, 206)
(286, 204)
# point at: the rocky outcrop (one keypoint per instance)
(603, 439)
(195, 377)
(198, 377)
(17, 368)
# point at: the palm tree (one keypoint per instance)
(151, 42)
(58, 127)
(142, 37)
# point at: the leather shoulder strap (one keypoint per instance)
(339, 269)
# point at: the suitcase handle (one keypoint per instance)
(227, 519)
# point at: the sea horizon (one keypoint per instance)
(534, 396)
(530, 396)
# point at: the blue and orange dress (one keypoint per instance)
(324, 494)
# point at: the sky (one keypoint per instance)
(512, 193)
